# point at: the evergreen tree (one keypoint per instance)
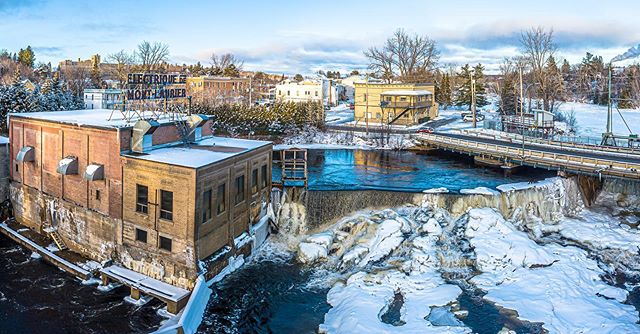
(298, 77)
(27, 57)
(478, 75)
(463, 92)
(19, 94)
(509, 103)
(96, 78)
(443, 91)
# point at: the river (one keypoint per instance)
(271, 294)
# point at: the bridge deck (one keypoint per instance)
(540, 155)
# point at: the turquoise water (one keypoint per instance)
(344, 169)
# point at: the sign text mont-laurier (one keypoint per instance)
(152, 86)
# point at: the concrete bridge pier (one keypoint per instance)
(506, 166)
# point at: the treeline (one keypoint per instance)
(50, 96)
(279, 118)
(454, 88)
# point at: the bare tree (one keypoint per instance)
(405, 57)
(123, 61)
(77, 79)
(224, 61)
(152, 55)
(537, 47)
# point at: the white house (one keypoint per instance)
(102, 98)
(320, 90)
(349, 86)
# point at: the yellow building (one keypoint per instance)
(397, 103)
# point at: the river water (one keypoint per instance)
(271, 294)
(343, 169)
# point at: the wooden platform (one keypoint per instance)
(176, 298)
(45, 253)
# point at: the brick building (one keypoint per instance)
(217, 89)
(141, 194)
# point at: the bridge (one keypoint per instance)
(511, 151)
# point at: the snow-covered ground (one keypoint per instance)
(592, 119)
(392, 264)
(339, 114)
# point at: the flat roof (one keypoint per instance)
(406, 92)
(86, 117)
(206, 151)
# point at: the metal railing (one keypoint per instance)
(535, 157)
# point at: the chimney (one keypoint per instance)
(142, 139)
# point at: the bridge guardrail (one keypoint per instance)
(535, 158)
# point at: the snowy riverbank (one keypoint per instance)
(404, 269)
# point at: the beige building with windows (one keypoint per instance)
(157, 200)
(395, 103)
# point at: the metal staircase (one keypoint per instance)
(52, 232)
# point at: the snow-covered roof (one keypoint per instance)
(406, 92)
(86, 117)
(207, 151)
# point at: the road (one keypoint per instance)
(546, 148)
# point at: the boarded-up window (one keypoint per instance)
(206, 206)
(239, 189)
(166, 205)
(141, 235)
(265, 176)
(165, 243)
(254, 181)
(142, 199)
(221, 198)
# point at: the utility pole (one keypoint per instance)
(473, 98)
(366, 103)
(522, 112)
(607, 137)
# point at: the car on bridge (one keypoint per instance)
(425, 130)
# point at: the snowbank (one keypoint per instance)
(479, 191)
(559, 286)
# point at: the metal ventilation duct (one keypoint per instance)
(68, 166)
(26, 154)
(141, 139)
(195, 123)
(94, 172)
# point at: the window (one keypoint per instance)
(142, 199)
(403, 98)
(221, 198)
(365, 97)
(378, 115)
(388, 98)
(239, 189)
(141, 235)
(254, 181)
(17, 169)
(264, 176)
(166, 205)
(206, 206)
(97, 195)
(288, 93)
(165, 243)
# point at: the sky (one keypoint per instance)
(306, 36)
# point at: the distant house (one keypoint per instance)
(349, 86)
(395, 103)
(28, 85)
(536, 123)
(102, 98)
(320, 90)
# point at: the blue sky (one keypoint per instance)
(304, 36)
